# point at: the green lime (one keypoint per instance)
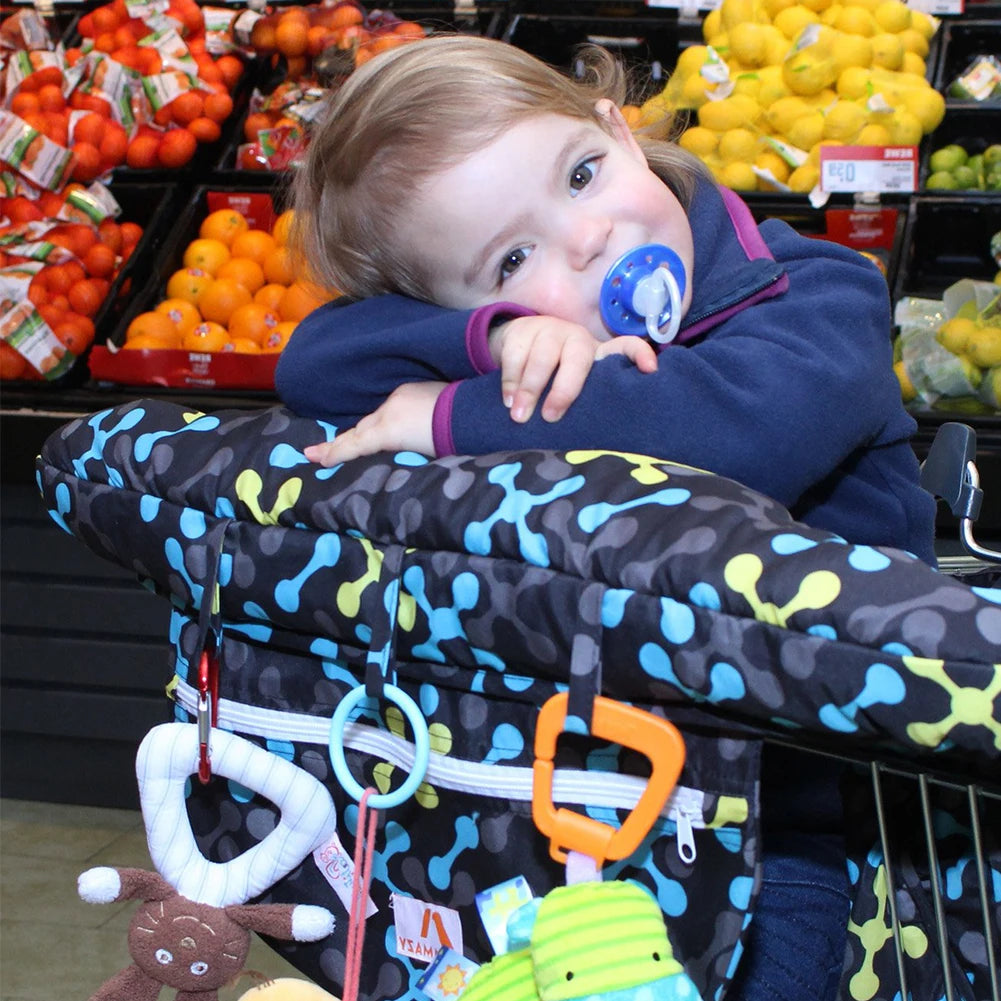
(947, 158)
(941, 181)
(965, 177)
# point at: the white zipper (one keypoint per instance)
(570, 785)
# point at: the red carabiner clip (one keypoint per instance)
(208, 711)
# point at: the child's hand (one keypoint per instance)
(531, 350)
(403, 421)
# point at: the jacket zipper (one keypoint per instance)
(577, 786)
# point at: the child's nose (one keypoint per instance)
(588, 239)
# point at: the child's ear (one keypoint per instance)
(615, 124)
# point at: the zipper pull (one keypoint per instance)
(686, 837)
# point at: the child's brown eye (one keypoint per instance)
(581, 177)
(512, 262)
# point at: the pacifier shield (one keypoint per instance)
(620, 311)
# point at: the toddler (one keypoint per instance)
(481, 211)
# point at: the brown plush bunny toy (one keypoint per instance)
(195, 948)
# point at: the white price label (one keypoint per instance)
(938, 6)
(893, 169)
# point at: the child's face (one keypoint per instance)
(539, 215)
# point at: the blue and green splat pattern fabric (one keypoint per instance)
(712, 606)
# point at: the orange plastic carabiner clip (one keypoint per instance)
(629, 727)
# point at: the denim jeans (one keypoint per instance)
(796, 942)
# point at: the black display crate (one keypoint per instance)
(974, 130)
(960, 42)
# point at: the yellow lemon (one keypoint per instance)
(892, 15)
(806, 73)
(804, 179)
(854, 82)
(887, 51)
(691, 60)
(914, 41)
(907, 390)
(734, 12)
(904, 128)
(739, 176)
(874, 134)
(923, 23)
(699, 140)
(954, 334)
(733, 112)
(913, 63)
(927, 105)
(772, 7)
(983, 347)
(747, 43)
(782, 113)
(852, 50)
(738, 144)
(712, 24)
(772, 85)
(748, 84)
(769, 160)
(813, 157)
(794, 19)
(694, 93)
(844, 121)
(807, 130)
(819, 6)
(855, 20)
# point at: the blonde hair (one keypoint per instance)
(417, 110)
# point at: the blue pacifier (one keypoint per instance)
(642, 293)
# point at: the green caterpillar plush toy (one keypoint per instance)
(593, 941)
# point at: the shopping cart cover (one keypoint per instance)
(709, 594)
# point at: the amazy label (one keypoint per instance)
(892, 169)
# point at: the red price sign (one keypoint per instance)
(891, 169)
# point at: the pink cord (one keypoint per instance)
(364, 847)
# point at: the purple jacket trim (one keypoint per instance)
(746, 229)
(441, 422)
(478, 332)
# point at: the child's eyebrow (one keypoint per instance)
(523, 220)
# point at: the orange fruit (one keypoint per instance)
(254, 243)
(182, 313)
(243, 270)
(177, 147)
(279, 337)
(12, 362)
(131, 233)
(282, 225)
(142, 152)
(221, 298)
(253, 321)
(114, 143)
(207, 336)
(204, 129)
(243, 346)
(99, 261)
(144, 342)
(153, 326)
(207, 254)
(299, 300)
(186, 107)
(89, 128)
(231, 68)
(86, 162)
(85, 297)
(270, 295)
(279, 266)
(292, 35)
(188, 283)
(218, 107)
(223, 225)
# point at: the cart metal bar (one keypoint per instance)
(891, 891)
(936, 887)
(973, 793)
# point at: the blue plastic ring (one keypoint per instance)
(422, 747)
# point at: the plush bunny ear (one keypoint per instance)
(298, 922)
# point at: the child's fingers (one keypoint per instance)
(574, 366)
(330, 453)
(638, 350)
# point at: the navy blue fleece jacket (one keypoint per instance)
(781, 378)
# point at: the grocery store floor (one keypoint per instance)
(52, 944)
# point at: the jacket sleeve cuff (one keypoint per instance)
(441, 422)
(478, 332)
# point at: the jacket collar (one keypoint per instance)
(734, 268)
